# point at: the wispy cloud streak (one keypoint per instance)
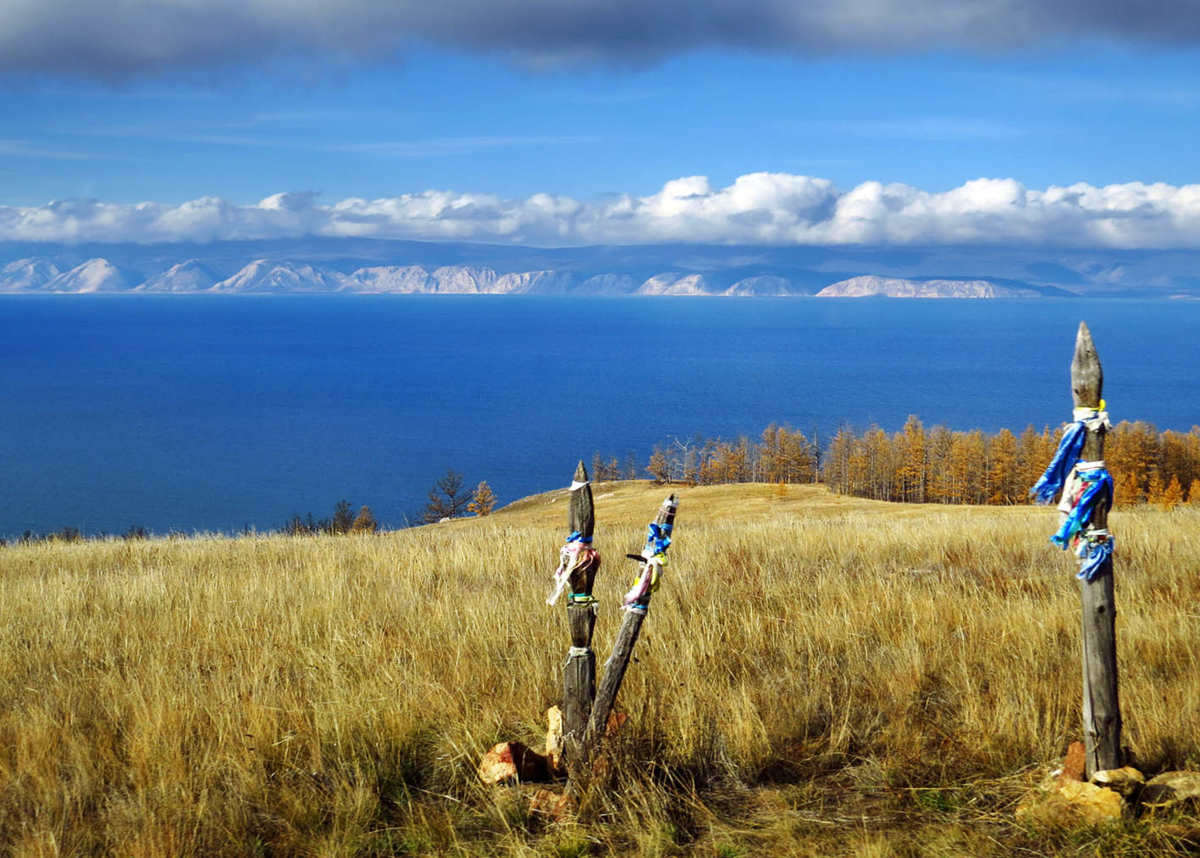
(921, 128)
(26, 149)
(229, 134)
(452, 145)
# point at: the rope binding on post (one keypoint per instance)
(1084, 486)
(576, 555)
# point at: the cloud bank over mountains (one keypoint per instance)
(759, 209)
(145, 37)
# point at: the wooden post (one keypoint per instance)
(579, 673)
(1101, 706)
(627, 635)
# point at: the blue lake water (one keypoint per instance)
(211, 413)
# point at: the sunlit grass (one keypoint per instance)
(818, 675)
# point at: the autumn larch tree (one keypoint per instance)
(659, 466)
(604, 470)
(1172, 495)
(1154, 492)
(769, 468)
(796, 460)
(342, 519)
(913, 470)
(447, 498)
(482, 501)
(365, 521)
(598, 469)
(1180, 456)
(1003, 475)
(836, 466)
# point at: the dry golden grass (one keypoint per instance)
(819, 675)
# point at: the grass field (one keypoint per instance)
(819, 675)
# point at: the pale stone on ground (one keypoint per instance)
(1126, 780)
(1071, 803)
(554, 738)
(1171, 788)
(512, 761)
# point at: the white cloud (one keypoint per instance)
(758, 208)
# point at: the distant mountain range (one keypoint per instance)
(406, 267)
(892, 287)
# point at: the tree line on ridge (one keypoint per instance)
(927, 465)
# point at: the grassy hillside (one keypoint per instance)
(819, 675)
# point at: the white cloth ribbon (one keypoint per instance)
(1091, 418)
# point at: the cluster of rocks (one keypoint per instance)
(514, 769)
(1066, 798)
(516, 761)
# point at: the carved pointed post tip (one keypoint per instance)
(1087, 376)
(581, 515)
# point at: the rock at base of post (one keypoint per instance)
(1171, 788)
(1126, 780)
(512, 761)
(1071, 804)
(554, 739)
(1074, 763)
(1065, 800)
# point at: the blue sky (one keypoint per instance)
(583, 119)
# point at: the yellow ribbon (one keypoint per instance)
(655, 563)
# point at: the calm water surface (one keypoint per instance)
(213, 413)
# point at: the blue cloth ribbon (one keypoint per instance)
(576, 536)
(1097, 482)
(658, 539)
(1094, 554)
(1070, 447)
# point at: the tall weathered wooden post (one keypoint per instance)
(579, 566)
(652, 557)
(1101, 705)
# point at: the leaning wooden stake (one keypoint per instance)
(1101, 706)
(627, 635)
(579, 673)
